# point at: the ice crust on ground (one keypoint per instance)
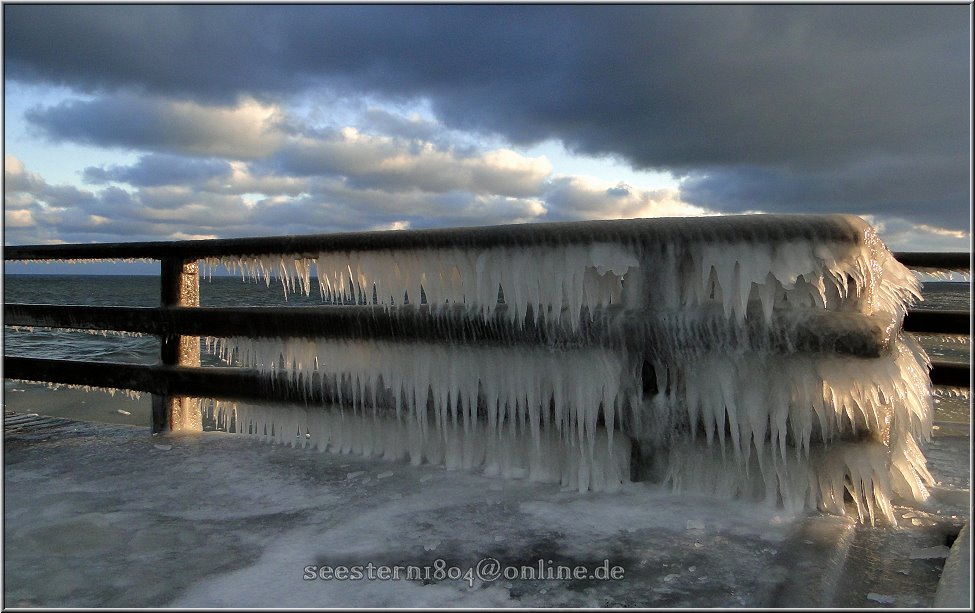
(800, 429)
(230, 524)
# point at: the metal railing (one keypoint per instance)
(178, 379)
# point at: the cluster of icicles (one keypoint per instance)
(104, 333)
(802, 430)
(111, 391)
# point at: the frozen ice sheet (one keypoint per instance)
(101, 517)
(96, 515)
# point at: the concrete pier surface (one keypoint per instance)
(100, 515)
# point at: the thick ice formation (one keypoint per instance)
(533, 402)
(712, 394)
(505, 445)
(546, 279)
(672, 269)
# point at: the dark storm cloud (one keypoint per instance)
(217, 52)
(797, 94)
(879, 187)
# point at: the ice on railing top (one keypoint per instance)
(819, 262)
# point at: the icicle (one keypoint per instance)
(111, 391)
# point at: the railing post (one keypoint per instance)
(180, 286)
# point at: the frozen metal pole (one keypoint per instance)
(180, 286)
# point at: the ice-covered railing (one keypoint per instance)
(757, 274)
(797, 262)
(937, 265)
(757, 356)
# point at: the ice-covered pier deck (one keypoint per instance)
(105, 515)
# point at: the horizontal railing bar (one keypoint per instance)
(953, 374)
(938, 322)
(240, 383)
(955, 260)
(705, 329)
(729, 227)
(265, 322)
(211, 382)
(328, 320)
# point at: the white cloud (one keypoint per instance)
(316, 181)
(245, 206)
(12, 166)
(581, 197)
(393, 225)
(945, 232)
(18, 218)
(251, 200)
(242, 180)
(903, 235)
(247, 130)
(16, 178)
(394, 163)
(267, 149)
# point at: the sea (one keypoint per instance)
(143, 291)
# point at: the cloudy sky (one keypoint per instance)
(172, 122)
